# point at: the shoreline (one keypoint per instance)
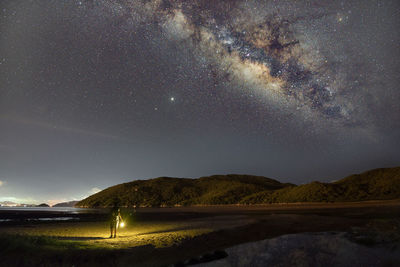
(162, 236)
(366, 203)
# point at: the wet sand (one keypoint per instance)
(162, 236)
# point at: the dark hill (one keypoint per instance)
(167, 191)
(246, 189)
(378, 184)
(66, 204)
(43, 205)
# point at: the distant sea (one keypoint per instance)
(46, 214)
(45, 209)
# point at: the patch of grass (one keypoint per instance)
(10, 243)
(25, 250)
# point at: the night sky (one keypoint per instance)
(96, 93)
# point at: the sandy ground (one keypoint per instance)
(139, 233)
(158, 237)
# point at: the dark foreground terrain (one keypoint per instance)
(182, 236)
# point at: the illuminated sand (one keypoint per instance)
(134, 234)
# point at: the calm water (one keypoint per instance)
(47, 214)
(47, 209)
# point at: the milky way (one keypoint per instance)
(267, 53)
(265, 44)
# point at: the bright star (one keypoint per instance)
(172, 99)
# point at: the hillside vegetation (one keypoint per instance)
(66, 204)
(378, 184)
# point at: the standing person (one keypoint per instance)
(115, 221)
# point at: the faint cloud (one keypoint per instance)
(12, 199)
(19, 200)
(2, 183)
(52, 202)
(94, 190)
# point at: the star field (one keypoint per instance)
(95, 93)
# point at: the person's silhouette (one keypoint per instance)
(115, 220)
